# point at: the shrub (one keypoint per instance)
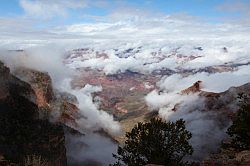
(155, 142)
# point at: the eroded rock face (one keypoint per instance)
(40, 82)
(224, 102)
(229, 158)
(4, 87)
(60, 107)
(195, 88)
(22, 132)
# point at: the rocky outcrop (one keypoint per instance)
(196, 87)
(58, 106)
(22, 132)
(224, 102)
(229, 158)
(40, 82)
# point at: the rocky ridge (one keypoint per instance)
(26, 132)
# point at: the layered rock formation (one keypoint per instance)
(196, 87)
(27, 101)
(60, 106)
(224, 102)
(24, 136)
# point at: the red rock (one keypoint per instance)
(196, 87)
(22, 132)
(40, 82)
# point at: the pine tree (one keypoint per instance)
(240, 129)
(155, 142)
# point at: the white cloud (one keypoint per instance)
(122, 24)
(89, 119)
(90, 147)
(217, 82)
(48, 9)
(235, 11)
(242, 7)
(207, 127)
(126, 29)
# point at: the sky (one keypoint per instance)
(46, 29)
(107, 19)
(65, 12)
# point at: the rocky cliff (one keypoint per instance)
(28, 104)
(25, 137)
(225, 102)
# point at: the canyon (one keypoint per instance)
(28, 97)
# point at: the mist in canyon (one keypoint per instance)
(133, 57)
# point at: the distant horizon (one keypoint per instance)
(45, 20)
(100, 67)
(68, 12)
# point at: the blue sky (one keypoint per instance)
(115, 18)
(207, 9)
(10, 8)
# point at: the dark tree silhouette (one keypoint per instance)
(240, 129)
(155, 142)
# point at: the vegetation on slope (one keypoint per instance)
(155, 142)
(240, 129)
